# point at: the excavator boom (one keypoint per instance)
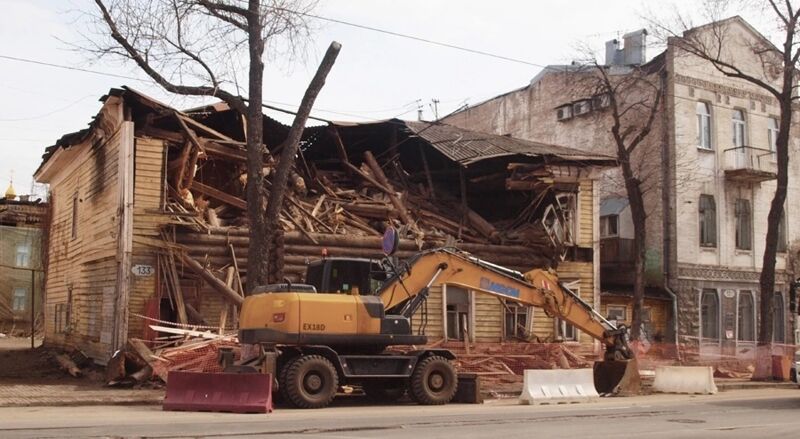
(403, 293)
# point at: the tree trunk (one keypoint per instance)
(280, 178)
(639, 216)
(767, 278)
(257, 269)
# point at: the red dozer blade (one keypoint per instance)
(219, 392)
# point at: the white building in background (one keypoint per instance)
(713, 143)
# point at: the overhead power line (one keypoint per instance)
(412, 37)
(77, 69)
(114, 75)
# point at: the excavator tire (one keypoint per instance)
(310, 382)
(434, 381)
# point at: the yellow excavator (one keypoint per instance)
(334, 329)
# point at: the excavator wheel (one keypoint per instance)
(434, 381)
(310, 382)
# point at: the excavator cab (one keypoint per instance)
(355, 276)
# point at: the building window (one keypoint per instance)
(559, 219)
(75, 216)
(458, 318)
(516, 320)
(565, 331)
(703, 126)
(778, 315)
(772, 134)
(746, 330)
(744, 228)
(782, 232)
(707, 209)
(19, 299)
(609, 226)
(709, 315)
(739, 128)
(568, 205)
(618, 313)
(23, 255)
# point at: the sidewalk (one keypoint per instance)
(65, 393)
(83, 393)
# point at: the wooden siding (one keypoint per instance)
(83, 268)
(488, 319)
(147, 222)
(585, 214)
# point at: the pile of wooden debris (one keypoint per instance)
(183, 349)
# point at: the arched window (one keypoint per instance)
(703, 126)
(778, 316)
(746, 323)
(772, 134)
(739, 128)
(709, 315)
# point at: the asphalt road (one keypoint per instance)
(765, 413)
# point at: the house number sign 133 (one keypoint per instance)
(143, 270)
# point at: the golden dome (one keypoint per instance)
(10, 193)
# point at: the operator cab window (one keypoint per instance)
(343, 277)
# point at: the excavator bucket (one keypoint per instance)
(617, 377)
(219, 392)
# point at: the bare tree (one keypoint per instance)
(774, 72)
(180, 42)
(633, 98)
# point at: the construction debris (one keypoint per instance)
(68, 365)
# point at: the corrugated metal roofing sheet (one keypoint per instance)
(467, 147)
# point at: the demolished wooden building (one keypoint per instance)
(149, 221)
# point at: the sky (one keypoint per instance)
(376, 76)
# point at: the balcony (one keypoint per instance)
(748, 164)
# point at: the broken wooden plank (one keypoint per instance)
(213, 148)
(227, 293)
(207, 129)
(68, 365)
(219, 195)
(381, 177)
(367, 177)
(146, 354)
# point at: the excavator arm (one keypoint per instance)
(404, 292)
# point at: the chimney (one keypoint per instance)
(613, 55)
(634, 47)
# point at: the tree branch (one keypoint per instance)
(141, 60)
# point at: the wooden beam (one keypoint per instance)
(189, 171)
(381, 177)
(219, 195)
(202, 127)
(180, 163)
(190, 133)
(216, 149)
(366, 176)
(339, 146)
(227, 293)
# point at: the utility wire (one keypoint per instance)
(77, 69)
(412, 37)
(114, 75)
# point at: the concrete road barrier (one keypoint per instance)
(558, 386)
(685, 379)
